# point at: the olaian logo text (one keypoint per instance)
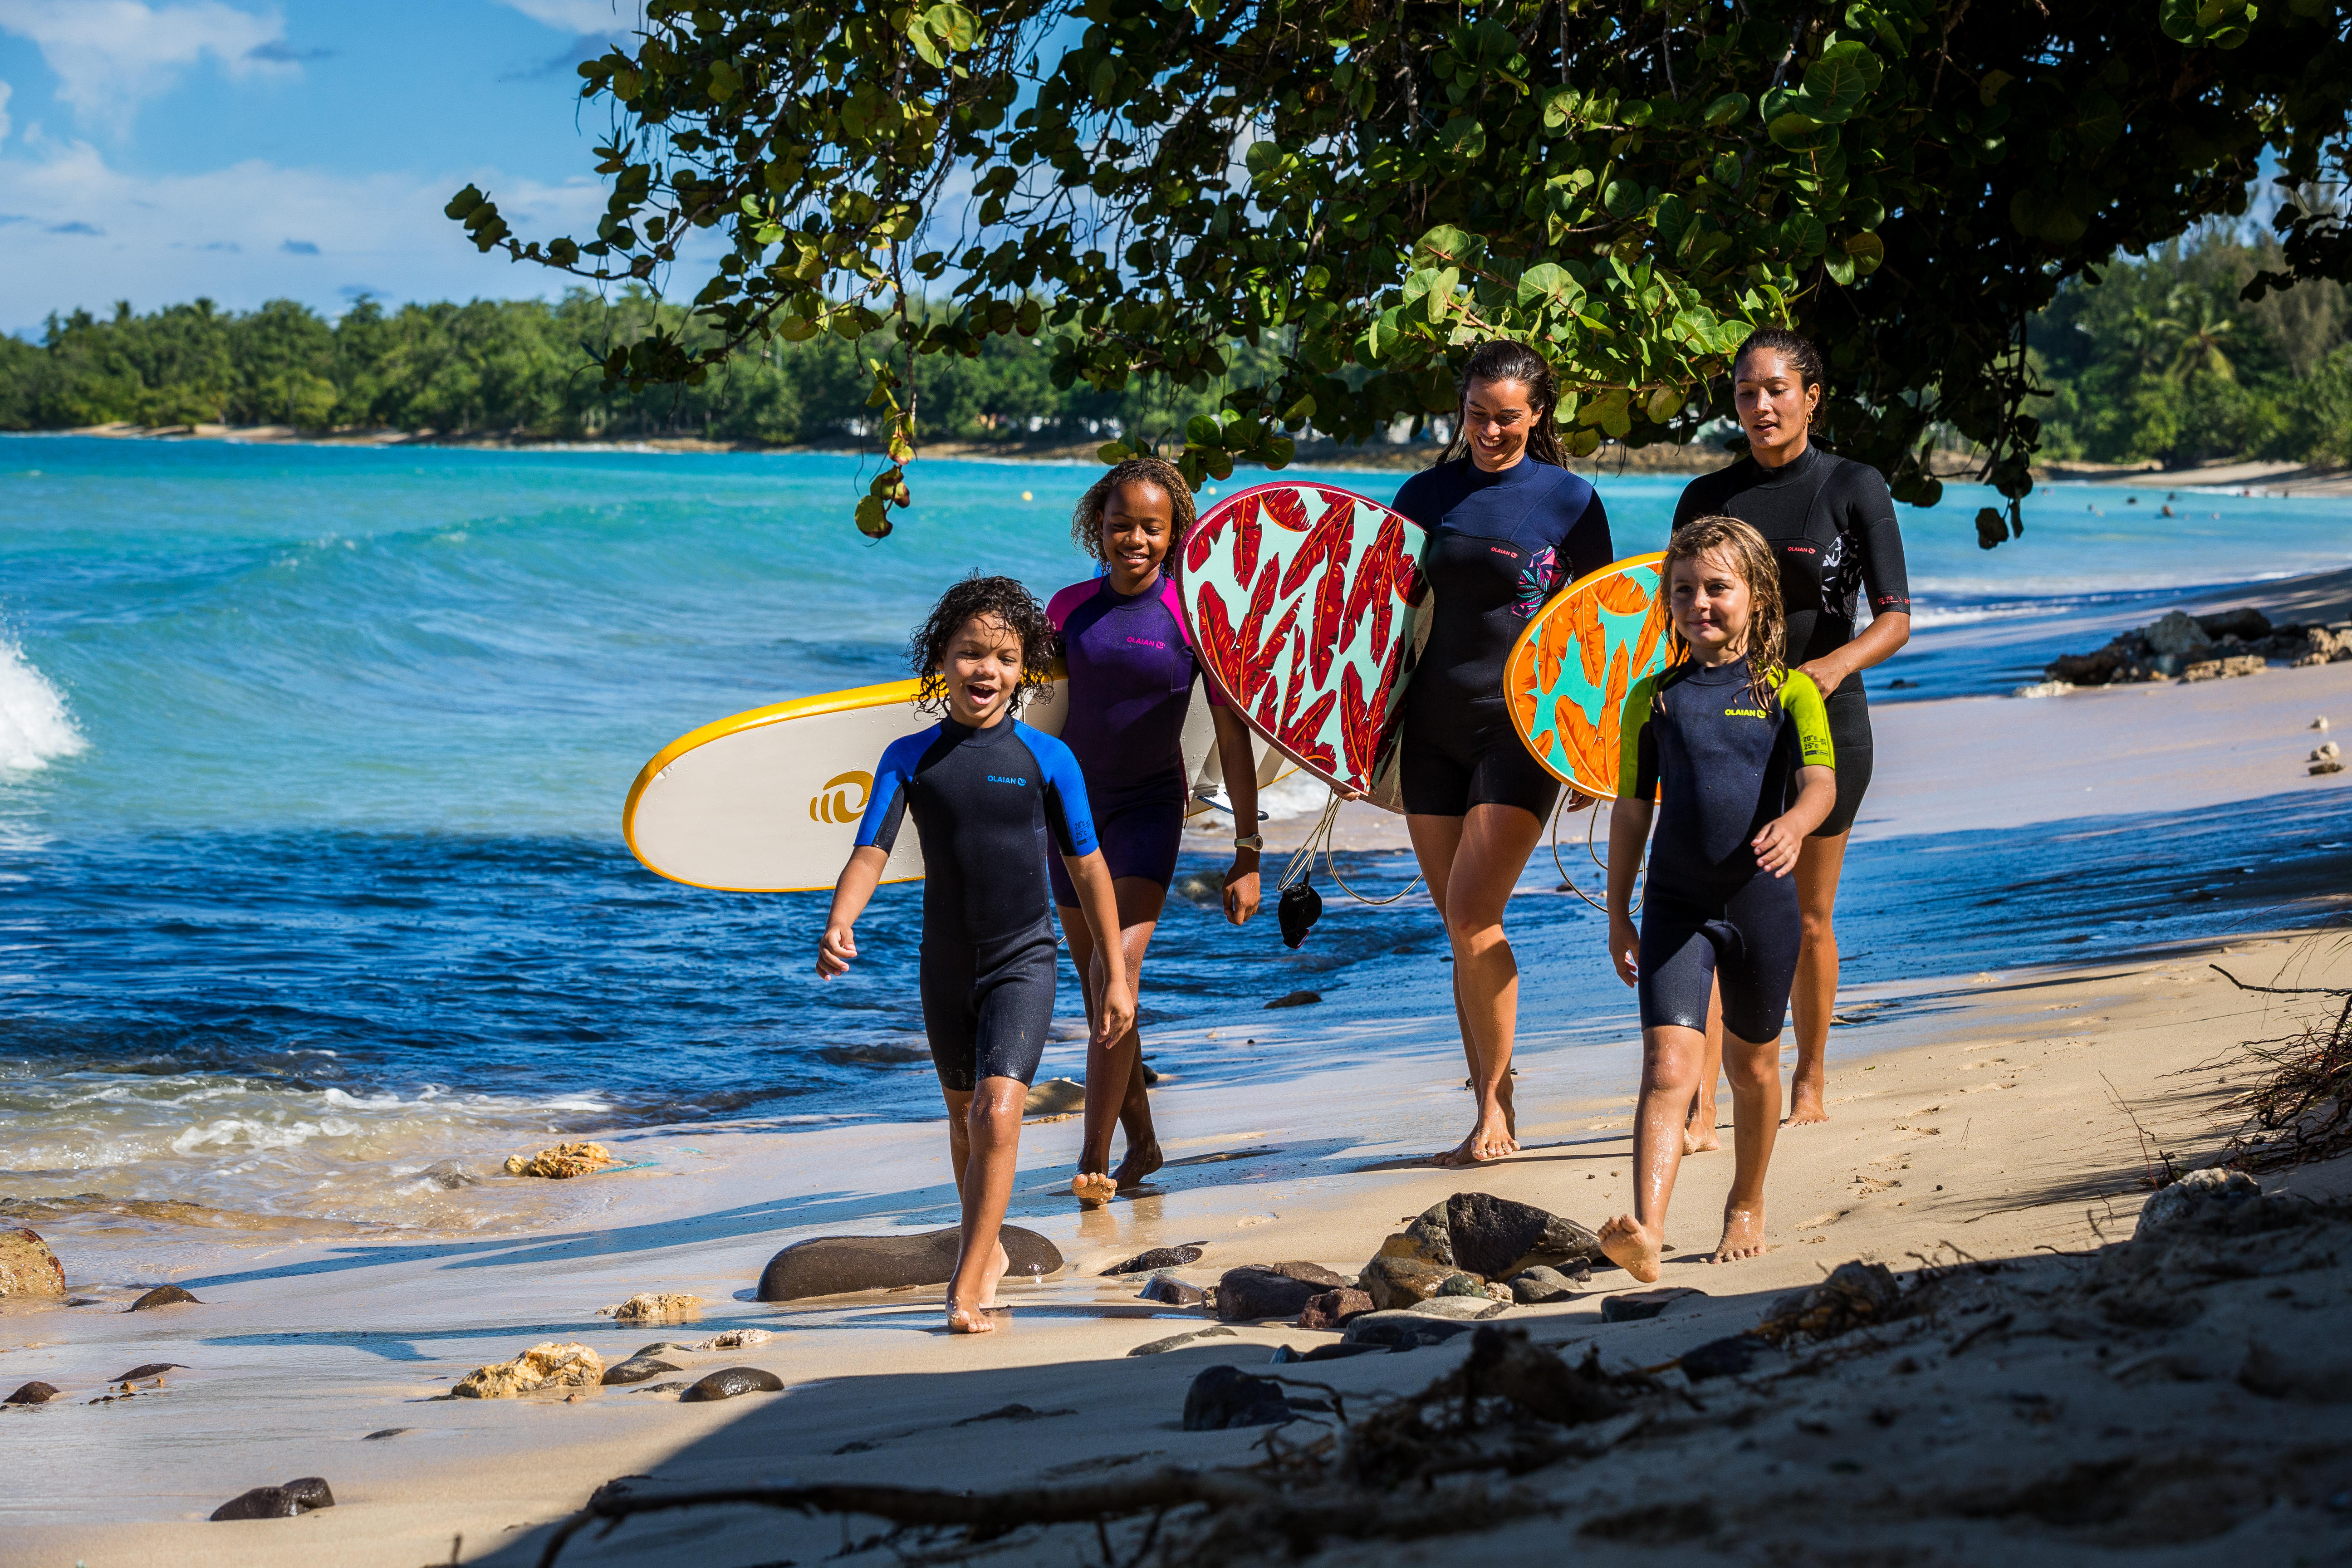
(1005, 778)
(832, 803)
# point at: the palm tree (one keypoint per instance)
(2202, 329)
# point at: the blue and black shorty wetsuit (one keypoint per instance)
(1500, 546)
(983, 802)
(1709, 913)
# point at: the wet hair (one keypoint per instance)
(1085, 522)
(1794, 347)
(1501, 360)
(1751, 558)
(1000, 599)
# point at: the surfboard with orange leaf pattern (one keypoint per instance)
(1303, 600)
(1568, 673)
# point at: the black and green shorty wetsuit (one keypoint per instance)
(1728, 765)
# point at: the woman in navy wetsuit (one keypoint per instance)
(1130, 668)
(1830, 526)
(1509, 527)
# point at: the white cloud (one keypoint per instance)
(255, 231)
(109, 55)
(5, 92)
(580, 17)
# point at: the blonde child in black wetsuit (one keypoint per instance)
(1721, 740)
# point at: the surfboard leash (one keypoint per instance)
(1591, 819)
(1302, 863)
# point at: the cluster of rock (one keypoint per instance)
(2200, 648)
(549, 1365)
(1462, 1261)
(561, 1162)
(652, 1307)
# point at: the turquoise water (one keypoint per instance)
(311, 762)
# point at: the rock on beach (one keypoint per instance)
(561, 1162)
(1334, 1309)
(29, 1271)
(729, 1382)
(838, 1264)
(278, 1502)
(549, 1365)
(162, 1296)
(1273, 1289)
(652, 1307)
(33, 1394)
(1223, 1397)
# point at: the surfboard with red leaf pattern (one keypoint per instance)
(1304, 601)
(1567, 675)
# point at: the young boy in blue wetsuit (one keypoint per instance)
(1731, 733)
(985, 791)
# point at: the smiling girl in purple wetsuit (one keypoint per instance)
(1130, 669)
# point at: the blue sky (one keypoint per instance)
(155, 151)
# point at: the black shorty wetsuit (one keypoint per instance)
(983, 801)
(1500, 546)
(1709, 912)
(1831, 525)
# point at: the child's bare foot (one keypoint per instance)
(1093, 1189)
(1804, 1105)
(970, 1320)
(1141, 1160)
(1743, 1233)
(1632, 1248)
(1698, 1132)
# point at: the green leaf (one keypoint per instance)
(1560, 107)
(1726, 110)
(1441, 294)
(1867, 250)
(873, 517)
(1262, 156)
(1663, 404)
(1801, 133)
(1621, 199)
(1464, 138)
(1201, 431)
(1549, 283)
(1988, 87)
(1837, 82)
(1443, 246)
(1674, 221)
(1112, 452)
(953, 25)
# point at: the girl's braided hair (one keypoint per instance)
(1000, 599)
(1502, 360)
(1751, 558)
(1085, 522)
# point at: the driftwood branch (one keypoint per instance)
(2281, 990)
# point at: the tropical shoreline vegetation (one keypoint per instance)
(2159, 360)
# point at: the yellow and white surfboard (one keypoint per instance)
(768, 801)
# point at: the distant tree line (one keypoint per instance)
(2158, 358)
(2161, 359)
(522, 368)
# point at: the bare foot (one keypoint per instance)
(1632, 1248)
(965, 1320)
(1141, 1160)
(1093, 1189)
(990, 1277)
(1743, 1234)
(1804, 1105)
(1699, 1133)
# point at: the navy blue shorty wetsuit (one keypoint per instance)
(983, 802)
(1131, 669)
(1500, 546)
(1709, 914)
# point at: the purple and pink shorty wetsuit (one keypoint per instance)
(1131, 669)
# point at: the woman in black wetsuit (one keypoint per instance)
(1509, 527)
(1831, 525)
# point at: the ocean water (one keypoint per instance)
(311, 762)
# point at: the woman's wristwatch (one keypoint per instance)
(1249, 841)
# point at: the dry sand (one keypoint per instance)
(2009, 1116)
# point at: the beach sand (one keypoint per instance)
(2000, 1115)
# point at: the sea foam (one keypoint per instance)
(35, 727)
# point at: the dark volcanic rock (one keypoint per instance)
(1158, 1258)
(278, 1502)
(384, 1431)
(151, 1369)
(1226, 1396)
(1333, 1308)
(838, 1265)
(1635, 1306)
(1172, 1291)
(1400, 1331)
(167, 1296)
(1156, 1346)
(729, 1382)
(1539, 1286)
(1273, 1289)
(1499, 1239)
(33, 1394)
(1722, 1358)
(636, 1369)
(1295, 999)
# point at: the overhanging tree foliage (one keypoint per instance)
(1370, 188)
